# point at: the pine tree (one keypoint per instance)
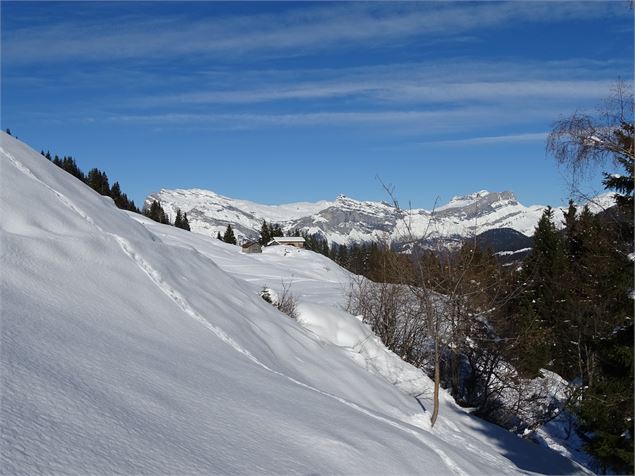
(153, 211)
(132, 206)
(265, 234)
(115, 194)
(178, 220)
(229, 237)
(541, 308)
(165, 219)
(97, 180)
(607, 407)
(606, 280)
(127, 204)
(70, 166)
(185, 224)
(324, 247)
(545, 266)
(156, 213)
(218, 237)
(573, 244)
(332, 254)
(623, 184)
(342, 256)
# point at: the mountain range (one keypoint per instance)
(346, 220)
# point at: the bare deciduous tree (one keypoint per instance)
(437, 288)
(584, 141)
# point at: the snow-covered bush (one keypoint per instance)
(285, 301)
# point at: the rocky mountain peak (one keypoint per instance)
(346, 220)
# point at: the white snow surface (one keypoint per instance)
(130, 347)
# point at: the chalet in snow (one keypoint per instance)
(296, 241)
(251, 247)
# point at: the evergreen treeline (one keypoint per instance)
(156, 212)
(268, 231)
(359, 258)
(575, 300)
(314, 242)
(96, 179)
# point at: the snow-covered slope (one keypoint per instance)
(130, 347)
(346, 220)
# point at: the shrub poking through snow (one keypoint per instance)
(287, 303)
(284, 302)
(264, 293)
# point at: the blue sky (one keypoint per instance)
(280, 102)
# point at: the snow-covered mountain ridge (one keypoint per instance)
(345, 220)
(130, 347)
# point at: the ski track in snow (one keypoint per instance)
(62, 198)
(184, 305)
(177, 298)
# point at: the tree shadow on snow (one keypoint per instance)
(418, 399)
(526, 455)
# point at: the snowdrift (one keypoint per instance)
(137, 348)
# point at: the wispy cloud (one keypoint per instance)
(395, 90)
(437, 81)
(420, 122)
(295, 30)
(489, 140)
(410, 119)
(207, 70)
(497, 93)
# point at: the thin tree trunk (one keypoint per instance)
(437, 382)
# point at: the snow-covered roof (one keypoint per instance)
(288, 239)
